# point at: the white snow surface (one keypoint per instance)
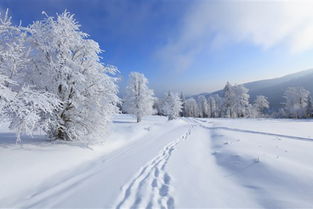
(184, 163)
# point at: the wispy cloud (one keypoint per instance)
(266, 24)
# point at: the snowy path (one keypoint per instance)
(190, 163)
(151, 187)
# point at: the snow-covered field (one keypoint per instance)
(185, 163)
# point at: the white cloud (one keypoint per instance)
(265, 24)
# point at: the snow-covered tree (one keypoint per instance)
(235, 101)
(297, 99)
(204, 107)
(229, 98)
(139, 98)
(53, 58)
(191, 108)
(216, 103)
(172, 105)
(182, 98)
(67, 63)
(24, 107)
(242, 105)
(212, 105)
(309, 109)
(260, 105)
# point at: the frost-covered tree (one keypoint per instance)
(242, 105)
(216, 103)
(182, 98)
(297, 99)
(139, 98)
(235, 101)
(191, 108)
(204, 108)
(52, 57)
(229, 99)
(212, 105)
(260, 105)
(309, 109)
(67, 63)
(172, 105)
(24, 107)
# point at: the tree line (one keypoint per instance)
(234, 102)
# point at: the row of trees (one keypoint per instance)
(233, 103)
(140, 101)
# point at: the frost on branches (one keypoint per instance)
(24, 107)
(172, 106)
(191, 108)
(204, 107)
(139, 98)
(259, 106)
(58, 70)
(297, 102)
(236, 101)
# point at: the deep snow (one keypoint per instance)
(186, 163)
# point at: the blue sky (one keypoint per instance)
(190, 46)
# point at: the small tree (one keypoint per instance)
(235, 101)
(260, 105)
(297, 99)
(229, 99)
(242, 105)
(172, 105)
(139, 98)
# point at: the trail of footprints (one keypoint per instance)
(151, 186)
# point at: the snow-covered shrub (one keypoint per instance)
(139, 98)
